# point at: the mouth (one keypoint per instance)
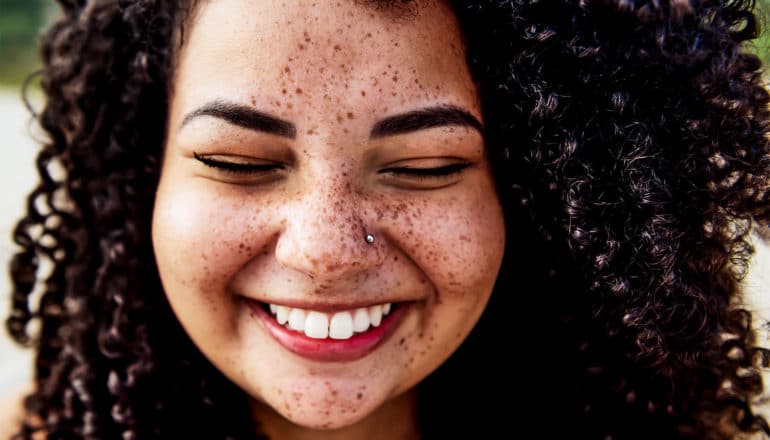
(343, 335)
(340, 325)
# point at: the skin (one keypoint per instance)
(294, 234)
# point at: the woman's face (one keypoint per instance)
(296, 129)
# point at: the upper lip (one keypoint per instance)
(328, 307)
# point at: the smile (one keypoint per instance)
(340, 325)
(340, 336)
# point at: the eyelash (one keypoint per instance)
(416, 173)
(235, 167)
(428, 173)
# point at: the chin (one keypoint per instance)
(326, 419)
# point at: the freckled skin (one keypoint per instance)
(298, 234)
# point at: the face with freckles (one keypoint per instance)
(297, 129)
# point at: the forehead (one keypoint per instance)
(245, 48)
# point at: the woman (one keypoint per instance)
(395, 219)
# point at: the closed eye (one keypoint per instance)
(237, 167)
(427, 173)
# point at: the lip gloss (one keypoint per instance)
(329, 350)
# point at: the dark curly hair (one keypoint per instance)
(629, 140)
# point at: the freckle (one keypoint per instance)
(395, 78)
(363, 93)
(359, 396)
(283, 91)
(299, 91)
(351, 116)
(301, 46)
(337, 48)
(401, 342)
(287, 69)
(253, 101)
(339, 117)
(289, 105)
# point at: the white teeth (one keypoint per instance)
(316, 325)
(341, 325)
(375, 315)
(282, 314)
(297, 320)
(360, 320)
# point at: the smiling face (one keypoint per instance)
(297, 129)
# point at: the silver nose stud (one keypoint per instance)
(369, 238)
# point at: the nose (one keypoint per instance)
(325, 235)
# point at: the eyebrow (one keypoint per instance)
(430, 117)
(422, 119)
(245, 117)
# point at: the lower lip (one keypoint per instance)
(329, 350)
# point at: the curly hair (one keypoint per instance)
(629, 140)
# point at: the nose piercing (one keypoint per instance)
(369, 238)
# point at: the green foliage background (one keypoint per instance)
(761, 45)
(21, 22)
(20, 25)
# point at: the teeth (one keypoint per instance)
(375, 315)
(282, 314)
(360, 320)
(340, 325)
(297, 320)
(317, 325)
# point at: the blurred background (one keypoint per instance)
(21, 23)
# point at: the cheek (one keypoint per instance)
(458, 242)
(201, 238)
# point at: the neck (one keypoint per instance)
(396, 418)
